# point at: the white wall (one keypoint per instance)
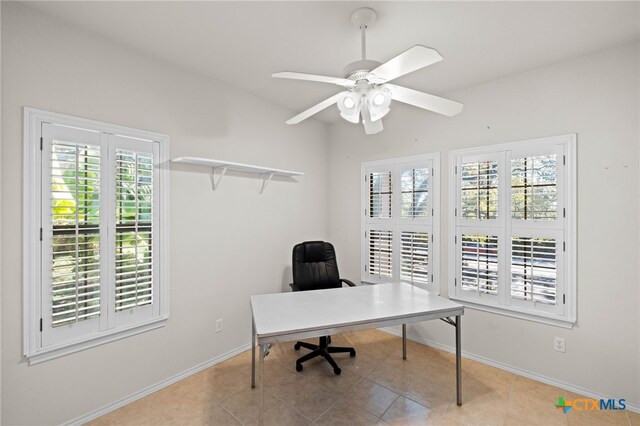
(595, 96)
(225, 245)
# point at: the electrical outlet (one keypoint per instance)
(219, 325)
(558, 344)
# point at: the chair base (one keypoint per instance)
(323, 350)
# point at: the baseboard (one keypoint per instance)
(153, 388)
(515, 370)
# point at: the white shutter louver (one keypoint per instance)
(479, 190)
(415, 193)
(479, 267)
(533, 269)
(134, 219)
(380, 193)
(381, 253)
(75, 240)
(414, 257)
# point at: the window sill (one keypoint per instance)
(105, 337)
(513, 313)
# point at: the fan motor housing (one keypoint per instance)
(358, 70)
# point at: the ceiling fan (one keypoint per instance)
(368, 93)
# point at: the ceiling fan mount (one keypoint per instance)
(368, 95)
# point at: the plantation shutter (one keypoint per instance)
(380, 194)
(414, 191)
(478, 189)
(536, 229)
(135, 232)
(479, 263)
(134, 243)
(73, 235)
(414, 257)
(380, 253)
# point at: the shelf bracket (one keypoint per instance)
(215, 184)
(265, 181)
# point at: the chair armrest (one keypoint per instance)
(347, 282)
(294, 287)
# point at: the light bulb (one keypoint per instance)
(349, 103)
(378, 99)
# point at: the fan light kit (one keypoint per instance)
(368, 95)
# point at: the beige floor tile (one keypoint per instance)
(221, 395)
(480, 411)
(362, 364)
(485, 383)
(413, 362)
(532, 389)
(343, 413)
(185, 409)
(371, 397)
(439, 373)
(311, 399)
(141, 412)
(446, 421)
(379, 350)
(283, 382)
(282, 415)
(429, 395)
(324, 375)
(392, 378)
(222, 386)
(213, 415)
(405, 411)
(534, 411)
(245, 405)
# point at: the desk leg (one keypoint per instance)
(458, 361)
(404, 341)
(261, 384)
(253, 353)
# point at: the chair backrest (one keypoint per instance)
(315, 266)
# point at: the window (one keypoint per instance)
(513, 219)
(95, 235)
(400, 220)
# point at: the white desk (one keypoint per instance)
(282, 317)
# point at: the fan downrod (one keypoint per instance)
(362, 18)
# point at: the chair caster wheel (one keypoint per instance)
(296, 347)
(352, 353)
(298, 367)
(337, 371)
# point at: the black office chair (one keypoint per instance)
(315, 268)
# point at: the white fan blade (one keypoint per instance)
(425, 100)
(313, 110)
(408, 61)
(310, 77)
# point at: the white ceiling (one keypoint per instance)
(243, 43)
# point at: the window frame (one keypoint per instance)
(397, 224)
(506, 227)
(35, 348)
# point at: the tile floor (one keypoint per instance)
(377, 387)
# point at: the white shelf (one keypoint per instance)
(266, 173)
